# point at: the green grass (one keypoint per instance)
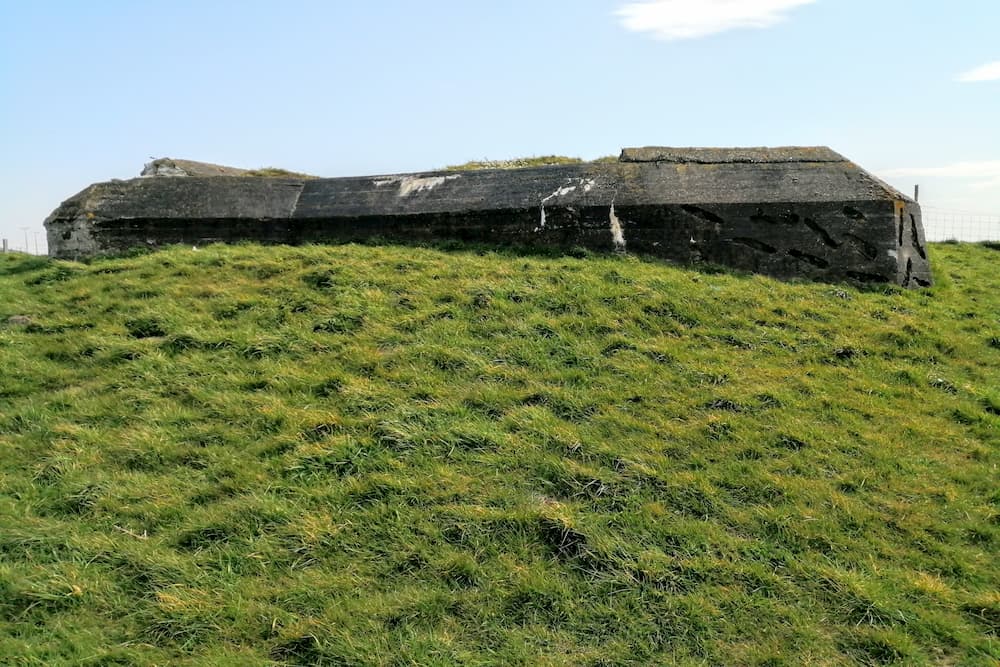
(516, 163)
(362, 455)
(277, 172)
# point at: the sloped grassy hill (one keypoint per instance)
(388, 456)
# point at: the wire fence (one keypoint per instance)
(28, 245)
(948, 225)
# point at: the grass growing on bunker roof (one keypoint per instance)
(277, 172)
(522, 163)
(383, 455)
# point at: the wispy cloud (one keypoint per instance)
(981, 175)
(987, 72)
(689, 19)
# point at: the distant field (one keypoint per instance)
(360, 455)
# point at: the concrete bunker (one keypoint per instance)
(786, 212)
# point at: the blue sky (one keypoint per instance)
(89, 91)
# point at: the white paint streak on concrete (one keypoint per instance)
(413, 184)
(561, 192)
(616, 230)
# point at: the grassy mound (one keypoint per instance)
(523, 162)
(278, 172)
(382, 455)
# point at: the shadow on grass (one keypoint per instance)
(18, 264)
(479, 248)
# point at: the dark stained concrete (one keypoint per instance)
(785, 212)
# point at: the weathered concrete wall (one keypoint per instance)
(794, 212)
(166, 166)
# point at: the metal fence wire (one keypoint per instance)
(949, 225)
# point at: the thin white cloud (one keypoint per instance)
(689, 19)
(987, 72)
(981, 175)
